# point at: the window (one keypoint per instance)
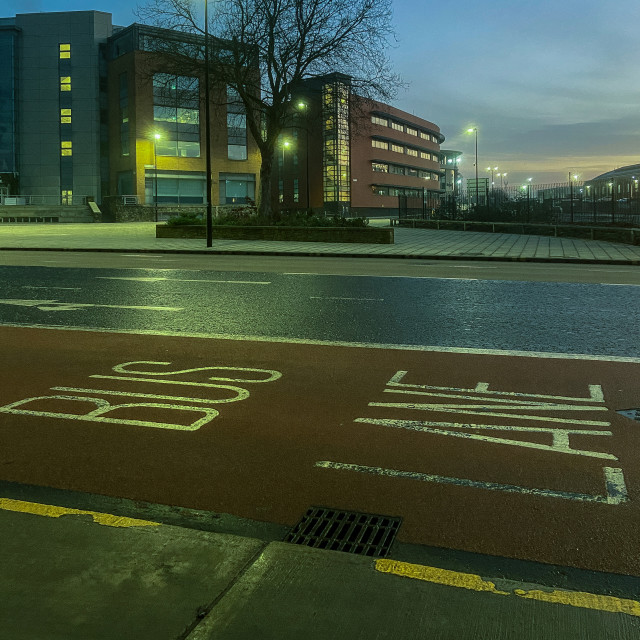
(65, 51)
(412, 152)
(424, 135)
(380, 121)
(240, 188)
(381, 191)
(425, 156)
(412, 172)
(176, 110)
(65, 148)
(380, 166)
(296, 190)
(65, 83)
(65, 116)
(66, 196)
(397, 126)
(397, 148)
(236, 126)
(397, 169)
(379, 144)
(412, 132)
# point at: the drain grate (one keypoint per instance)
(632, 414)
(365, 534)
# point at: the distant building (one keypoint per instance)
(620, 183)
(347, 154)
(451, 179)
(92, 110)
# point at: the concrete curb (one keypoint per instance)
(336, 254)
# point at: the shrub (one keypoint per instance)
(186, 219)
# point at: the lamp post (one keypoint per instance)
(304, 107)
(475, 130)
(285, 145)
(207, 127)
(156, 137)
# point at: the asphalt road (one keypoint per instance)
(461, 313)
(482, 412)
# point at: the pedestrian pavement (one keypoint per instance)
(78, 575)
(409, 243)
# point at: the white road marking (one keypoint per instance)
(335, 343)
(340, 298)
(26, 286)
(616, 490)
(103, 407)
(595, 390)
(151, 279)
(560, 436)
(54, 305)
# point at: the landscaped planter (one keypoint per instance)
(368, 235)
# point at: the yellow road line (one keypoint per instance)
(477, 583)
(52, 511)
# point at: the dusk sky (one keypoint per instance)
(552, 87)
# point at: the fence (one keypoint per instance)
(559, 203)
(18, 200)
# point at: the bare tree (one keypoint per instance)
(264, 49)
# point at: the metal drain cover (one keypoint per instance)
(632, 414)
(364, 534)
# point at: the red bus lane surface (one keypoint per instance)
(511, 455)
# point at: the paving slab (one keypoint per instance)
(414, 243)
(293, 592)
(68, 578)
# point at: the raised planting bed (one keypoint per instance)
(365, 235)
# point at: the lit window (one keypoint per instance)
(65, 50)
(379, 166)
(425, 156)
(397, 148)
(379, 144)
(65, 83)
(65, 148)
(380, 121)
(412, 132)
(67, 196)
(397, 126)
(425, 136)
(65, 116)
(412, 152)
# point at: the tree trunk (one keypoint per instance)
(265, 209)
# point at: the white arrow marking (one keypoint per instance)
(159, 279)
(54, 305)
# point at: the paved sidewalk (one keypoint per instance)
(413, 243)
(85, 575)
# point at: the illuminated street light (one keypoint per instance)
(472, 130)
(302, 106)
(156, 137)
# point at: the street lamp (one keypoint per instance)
(156, 137)
(207, 127)
(304, 108)
(475, 130)
(492, 169)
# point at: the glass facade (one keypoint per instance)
(176, 115)
(237, 188)
(336, 142)
(8, 41)
(236, 126)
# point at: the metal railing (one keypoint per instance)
(28, 200)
